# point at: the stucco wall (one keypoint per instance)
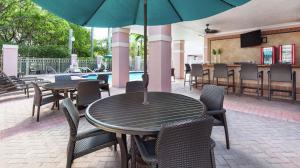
(232, 52)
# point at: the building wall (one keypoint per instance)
(232, 52)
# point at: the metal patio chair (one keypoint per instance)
(213, 97)
(250, 72)
(198, 71)
(221, 71)
(282, 73)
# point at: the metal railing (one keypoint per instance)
(29, 65)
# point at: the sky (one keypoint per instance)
(100, 33)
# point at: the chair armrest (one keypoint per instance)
(212, 143)
(206, 71)
(144, 151)
(90, 133)
(214, 112)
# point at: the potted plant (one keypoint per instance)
(214, 53)
(219, 52)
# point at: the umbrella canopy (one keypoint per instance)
(120, 13)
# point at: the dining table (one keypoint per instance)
(64, 85)
(125, 114)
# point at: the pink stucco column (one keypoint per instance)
(10, 59)
(178, 58)
(120, 57)
(159, 62)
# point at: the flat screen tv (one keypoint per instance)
(251, 39)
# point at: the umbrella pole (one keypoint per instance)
(145, 76)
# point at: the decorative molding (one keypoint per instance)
(122, 30)
(6, 46)
(120, 44)
(159, 37)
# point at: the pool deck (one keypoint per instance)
(261, 134)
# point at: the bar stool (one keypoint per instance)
(250, 72)
(221, 71)
(282, 73)
(187, 71)
(198, 71)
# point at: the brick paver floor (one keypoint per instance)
(256, 141)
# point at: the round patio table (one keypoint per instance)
(63, 86)
(125, 114)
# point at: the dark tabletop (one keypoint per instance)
(63, 85)
(126, 114)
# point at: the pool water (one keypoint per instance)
(133, 76)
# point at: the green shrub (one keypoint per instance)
(47, 51)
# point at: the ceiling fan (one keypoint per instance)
(207, 30)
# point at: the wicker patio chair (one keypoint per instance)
(134, 86)
(198, 71)
(250, 72)
(221, 71)
(104, 85)
(186, 71)
(85, 142)
(40, 99)
(213, 97)
(59, 78)
(282, 73)
(185, 144)
(87, 93)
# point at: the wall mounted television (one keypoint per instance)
(251, 39)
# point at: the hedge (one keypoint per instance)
(48, 51)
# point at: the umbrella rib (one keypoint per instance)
(93, 13)
(177, 13)
(227, 3)
(136, 12)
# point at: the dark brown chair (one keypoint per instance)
(104, 85)
(180, 144)
(186, 71)
(213, 97)
(250, 72)
(221, 71)
(87, 93)
(40, 99)
(198, 71)
(134, 86)
(282, 73)
(173, 73)
(86, 142)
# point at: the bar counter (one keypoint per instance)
(265, 69)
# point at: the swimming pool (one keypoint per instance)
(133, 76)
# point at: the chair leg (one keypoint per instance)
(108, 92)
(69, 159)
(190, 81)
(241, 86)
(269, 86)
(115, 147)
(184, 79)
(226, 131)
(33, 109)
(257, 88)
(38, 114)
(227, 83)
(196, 81)
(233, 84)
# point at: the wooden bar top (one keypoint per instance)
(237, 65)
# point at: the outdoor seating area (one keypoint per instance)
(149, 84)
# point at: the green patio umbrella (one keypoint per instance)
(119, 13)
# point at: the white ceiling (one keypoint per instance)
(256, 14)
